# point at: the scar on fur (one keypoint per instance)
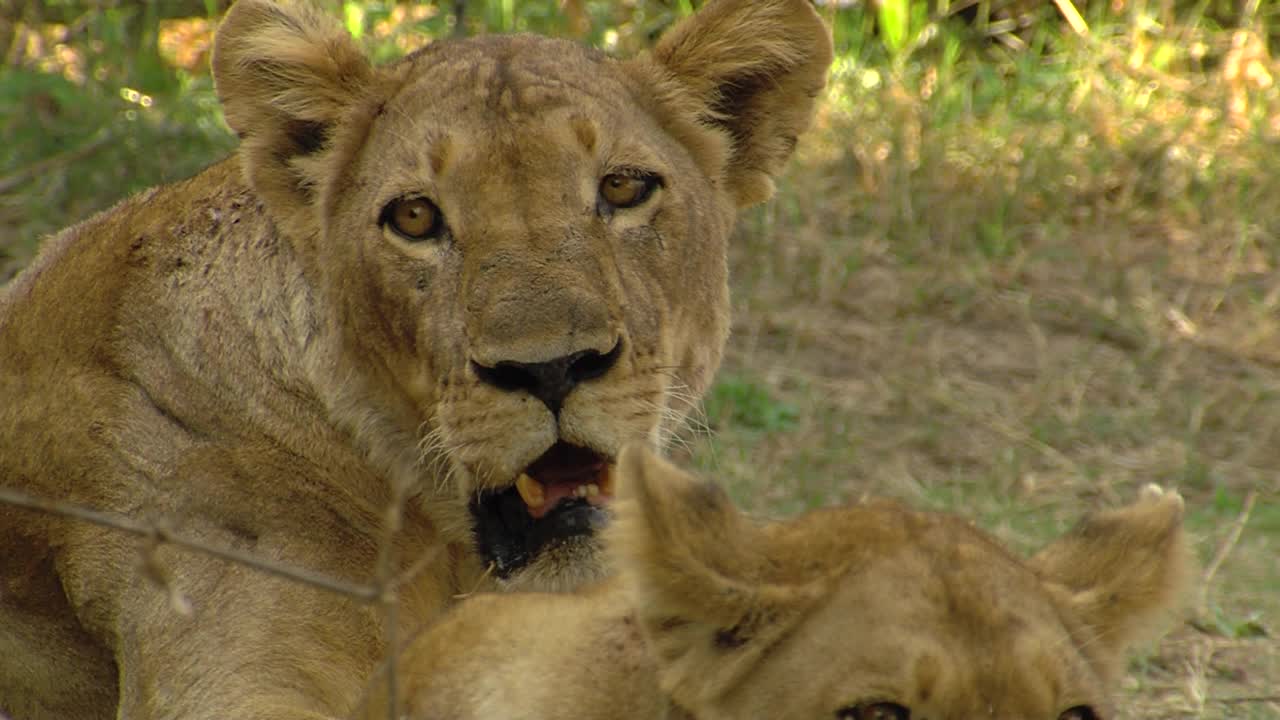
(730, 638)
(927, 670)
(585, 131)
(439, 154)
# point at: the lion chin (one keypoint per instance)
(863, 611)
(540, 533)
(385, 355)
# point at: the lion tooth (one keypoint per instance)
(607, 481)
(531, 491)
(592, 490)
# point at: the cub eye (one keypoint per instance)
(413, 218)
(623, 191)
(874, 711)
(1079, 712)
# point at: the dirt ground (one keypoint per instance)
(1022, 390)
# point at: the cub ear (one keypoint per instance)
(751, 68)
(698, 574)
(1125, 570)
(285, 73)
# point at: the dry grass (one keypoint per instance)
(932, 310)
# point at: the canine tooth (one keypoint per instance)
(607, 481)
(531, 491)
(592, 490)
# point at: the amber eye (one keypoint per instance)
(874, 711)
(620, 190)
(1079, 712)
(413, 218)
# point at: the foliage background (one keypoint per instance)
(1025, 263)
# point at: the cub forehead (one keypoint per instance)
(916, 628)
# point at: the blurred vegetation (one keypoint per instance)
(1025, 263)
(99, 98)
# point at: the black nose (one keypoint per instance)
(551, 381)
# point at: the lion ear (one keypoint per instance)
(696, 568)
(752, 68)
(285, 73)
(1126, 571)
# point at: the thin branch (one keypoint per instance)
(1225, 550)
(388, 592)
(1072, 16)
(416, 568)
(488, 571)
(410, 574)
(43, 167)
(385, 593)
(1245, 700)
(160, 534)
(459, 18)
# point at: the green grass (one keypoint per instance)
(1016, 285)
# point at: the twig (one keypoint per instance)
(385, 593)
(415, 568)
(18, 177)
(1011, 432)
(388, 588)
(160, 534)
(1245, 700)
(488, 571)
(1072, 16)
(1221, 556)
(1249, 12)
(393, 654)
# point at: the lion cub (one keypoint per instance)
(862, 611)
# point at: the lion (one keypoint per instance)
(397, 339)
(867, 611)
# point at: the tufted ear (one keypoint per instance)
(751, 68)
(699, 578)
(1125, 571)
(285, 73)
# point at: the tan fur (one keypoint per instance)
(803, 619)
(250, 358)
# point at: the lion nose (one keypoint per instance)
(550, 381)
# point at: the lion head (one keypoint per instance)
(514, 248)
(875, 611)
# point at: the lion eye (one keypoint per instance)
(1079, 712)
(620, 190)
(413, 218)
(874, 711)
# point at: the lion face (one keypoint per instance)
(517, 246)
(556, 265)
(878, 612)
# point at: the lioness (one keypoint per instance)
(462, 280)
(865, 612)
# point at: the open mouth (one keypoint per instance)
(560, 496)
